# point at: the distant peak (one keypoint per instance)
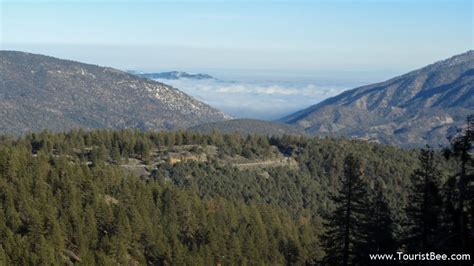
(171, 75)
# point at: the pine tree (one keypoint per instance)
(115, 154)
(424, 206)
(378, 228)
(344, 236)
(460, 190)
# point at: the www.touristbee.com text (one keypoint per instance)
(428, 256)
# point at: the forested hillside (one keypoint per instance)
(249, 126)
(159, 198)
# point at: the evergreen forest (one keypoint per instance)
(127, 197)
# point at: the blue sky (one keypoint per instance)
(306, 36)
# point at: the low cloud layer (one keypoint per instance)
(257, 99)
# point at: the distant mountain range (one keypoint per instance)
(173, 75)
(41, 92)
(421, 107)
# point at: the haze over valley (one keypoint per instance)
(268, 95)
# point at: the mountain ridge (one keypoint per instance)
(42, 92)
(420, 107)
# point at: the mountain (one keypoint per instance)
(249, 126)
(41, 92)
(172, 75)
(421, 107)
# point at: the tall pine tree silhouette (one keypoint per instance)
(460, 200)
(378, 228)
(344, 236)
(424, 206)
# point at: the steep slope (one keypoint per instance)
(249, 126)
(418, 108)
(40, 92)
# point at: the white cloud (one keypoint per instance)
(263, 99)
